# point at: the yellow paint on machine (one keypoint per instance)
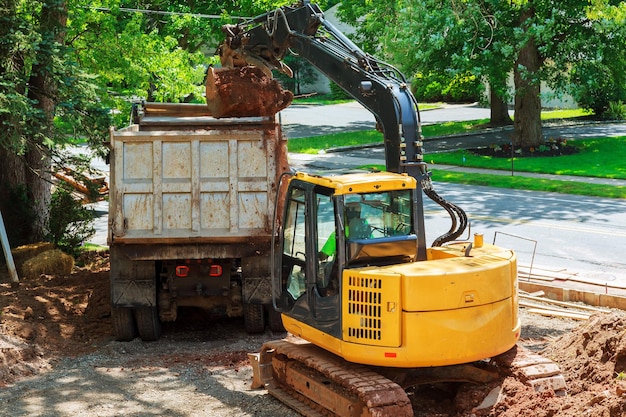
(448, 310)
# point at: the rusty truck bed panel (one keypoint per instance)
(206, 180)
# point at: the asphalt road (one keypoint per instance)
(585, 235)
(310, 120)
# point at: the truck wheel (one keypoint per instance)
(124, 325)
(275, 321)
(254, 318)
(148, 323)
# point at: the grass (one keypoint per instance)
(314, 144)
(92, 247)
(321, 99)
(531, 184)
(565, 114)
(599, 157)
(326, 99)
(522, 183)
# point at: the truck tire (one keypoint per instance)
(124, 325)
(148, 323)
(275, 322)
(254, 318)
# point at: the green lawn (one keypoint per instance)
(597, 157)
(314, 144)
(601, 157)
(531, 184)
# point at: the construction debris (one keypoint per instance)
(244, 92)
(539, 304)
(88, 189)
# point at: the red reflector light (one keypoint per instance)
(215, 271)
(182, 270)
(390, 354)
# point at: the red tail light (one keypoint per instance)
(215, 271)
(182, 270)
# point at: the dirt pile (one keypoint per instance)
(592, 358)
(244, 92)
(52, 317)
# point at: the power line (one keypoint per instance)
(162, 12)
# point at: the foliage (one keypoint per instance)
(487, 38)
(616, 111)
(303, 74)
(70, 222)
(338, 93)
(80, 66)
(595, 85)
(437, 87)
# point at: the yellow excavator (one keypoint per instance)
(372, 309)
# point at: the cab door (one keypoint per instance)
(306, 291)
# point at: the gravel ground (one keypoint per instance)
(191, 373)
(58, 358)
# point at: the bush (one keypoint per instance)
(616, 111)
(338, 93)
(594, 87)
(440, 87)
(70, 222)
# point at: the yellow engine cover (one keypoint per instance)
(447, 310)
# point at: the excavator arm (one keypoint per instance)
(382, 89)
(378, 86)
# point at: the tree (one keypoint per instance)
(66, 67)
(303, 74)
(40, 87)
(28, 76)
(533, 39)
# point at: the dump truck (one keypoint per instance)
(190, 216)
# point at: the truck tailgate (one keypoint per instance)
(215, 180)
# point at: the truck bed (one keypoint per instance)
(182, 176)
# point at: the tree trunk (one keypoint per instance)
(527, 120)
(13, 199)
(499, 110)
(42, 90)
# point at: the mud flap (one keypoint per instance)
(133, 283)
(256, 280)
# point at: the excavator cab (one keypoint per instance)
(336, 223)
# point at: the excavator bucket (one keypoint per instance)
(244, 92)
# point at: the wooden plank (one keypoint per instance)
(554, 313)
(587, 296)
(564, 303)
